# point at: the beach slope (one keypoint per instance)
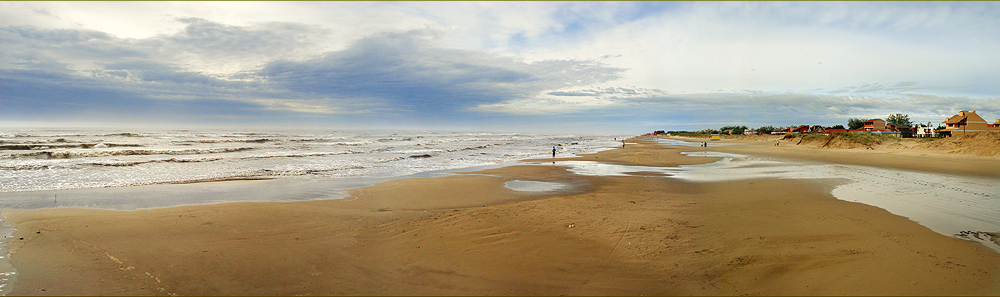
(467, 234)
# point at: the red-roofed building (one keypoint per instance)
(874, 125)
(799, 129)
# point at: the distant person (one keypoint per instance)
(623, 143)
(553, 152)
(776, 142)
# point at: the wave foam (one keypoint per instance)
(108, 153)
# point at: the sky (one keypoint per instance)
(573, 67)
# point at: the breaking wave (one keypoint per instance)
(212, 159)
(45, 146)
(55, 159)
(85, 154)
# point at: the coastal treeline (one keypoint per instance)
(894, 122)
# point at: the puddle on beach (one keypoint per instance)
(960, 206)
(534, 186)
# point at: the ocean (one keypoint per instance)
(39, 160)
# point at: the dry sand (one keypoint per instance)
(466, 234)
(975, 154)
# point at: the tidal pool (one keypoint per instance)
(534, 186)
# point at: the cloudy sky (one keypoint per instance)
(496, 66)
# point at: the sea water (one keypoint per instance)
(52, 160)
(128, 169)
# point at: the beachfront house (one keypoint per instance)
(926, 132)
(799, 129)
(874, 125)
(968, 122)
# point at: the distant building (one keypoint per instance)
(799, 129)
(926, 132)
(874, 125)
(968, 122)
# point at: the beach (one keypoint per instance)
(907, 155)
(467, 233)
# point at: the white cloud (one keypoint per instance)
(825, 59)
(295, 105)
(782, 47)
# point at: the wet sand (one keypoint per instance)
(467, 234)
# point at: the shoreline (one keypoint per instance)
(465, 233)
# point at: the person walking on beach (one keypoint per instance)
(553, 152)
(776, 142)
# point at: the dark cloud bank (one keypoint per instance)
(398, 74)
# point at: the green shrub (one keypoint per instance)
(690, 134)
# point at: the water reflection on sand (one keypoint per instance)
(534, 186)
(947, 204)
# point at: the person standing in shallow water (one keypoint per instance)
(553, 152)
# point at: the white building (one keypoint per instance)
(926, 132)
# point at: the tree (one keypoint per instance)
(736, 129)
(854, 123)
(838, 127)
(766, 129)
(901, 121)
